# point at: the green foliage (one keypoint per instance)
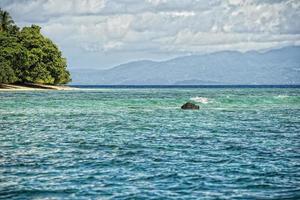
(6, 21)
(11, 55)
(7, 74)
(45, 63)
(30, 56)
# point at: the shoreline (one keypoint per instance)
(33, 87)
(42, 87)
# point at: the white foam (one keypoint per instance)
(281, 96)
(200, 99)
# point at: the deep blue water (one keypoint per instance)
(136, 143)
(185, 86)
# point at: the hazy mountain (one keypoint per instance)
(280, 66)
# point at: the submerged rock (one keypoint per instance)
(190, 106)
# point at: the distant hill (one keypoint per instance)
(279, 66)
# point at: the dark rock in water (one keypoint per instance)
(189, 106)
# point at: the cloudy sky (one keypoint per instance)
(103, 33)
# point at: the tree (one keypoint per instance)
(27, 56)
(45, 63)
(12, 54)
(7, 74)
(5, 20)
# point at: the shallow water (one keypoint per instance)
(138, 144)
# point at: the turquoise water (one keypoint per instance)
(138, 144)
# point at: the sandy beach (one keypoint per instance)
(33, 87)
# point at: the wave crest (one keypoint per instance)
(200, 99)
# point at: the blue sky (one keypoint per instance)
(103, 33)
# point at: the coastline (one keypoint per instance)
(42, 87)
(33, 87)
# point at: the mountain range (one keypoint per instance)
(277, 66)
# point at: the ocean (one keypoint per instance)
(136, 143)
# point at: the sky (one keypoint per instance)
(103, 33)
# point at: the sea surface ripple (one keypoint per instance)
(138, 144)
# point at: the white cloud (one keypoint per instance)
(162, 26)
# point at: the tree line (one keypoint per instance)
(26, 56)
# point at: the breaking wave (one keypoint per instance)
(200, 99)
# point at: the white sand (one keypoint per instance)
(33, 87)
